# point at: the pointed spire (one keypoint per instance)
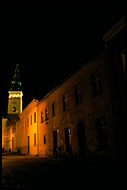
(16, 84)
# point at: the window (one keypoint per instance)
(101, 133)
(42, 117)
(34, 117)
(34, 139)
(31, 120)
(45, 139)
(46, 114)
(25, 123)
(77, 92)
(28, 122)
(53, 110)
(65, 102)
(97, 83)
(123, 60)
(14, 109)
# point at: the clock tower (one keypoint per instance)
(15, 96)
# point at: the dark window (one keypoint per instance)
(97, 83)
(34, 139)
(34, 117)
(42, 117)
(45, 139)
(46, 114)
(25, 123)
(101, 133)
(65, 102)
(53, 110)
(14, 109)
(77, 92)
(28, 122)
(31, 120)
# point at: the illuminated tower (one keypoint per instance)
(15, 96)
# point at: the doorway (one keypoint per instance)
(28, 144)
(68, 139)
(81, 137)
(54, 141)
(12, 144)
(101, 133)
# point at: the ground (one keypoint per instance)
(23, 171)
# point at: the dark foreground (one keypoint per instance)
(20, 171)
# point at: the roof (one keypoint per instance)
(71, 74)
(115, 29)
(29, 105)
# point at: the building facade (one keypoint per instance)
(82, 115)
(26, 128)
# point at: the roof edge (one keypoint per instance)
(115, 29)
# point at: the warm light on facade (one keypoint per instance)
(14, 96)
(15, 102)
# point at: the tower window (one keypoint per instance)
(14, 109)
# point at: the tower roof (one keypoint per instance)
(16, 83)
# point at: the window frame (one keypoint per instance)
(46, 114)
(53, 109)
(97, 83)
(34, 117)
(45, 139)
(78, 94)
(35, 141)
(66, 103)
(31, 120)
(42, 117)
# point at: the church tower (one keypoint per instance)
(15, 96)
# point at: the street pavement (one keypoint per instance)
(26, 172)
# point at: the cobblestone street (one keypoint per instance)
(35, 172)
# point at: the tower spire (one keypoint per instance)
(16, 83)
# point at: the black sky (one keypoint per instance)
(50, 40)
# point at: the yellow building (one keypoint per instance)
(82, 115)
(26, 130)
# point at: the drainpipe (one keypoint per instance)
(37, 132)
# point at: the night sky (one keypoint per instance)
(49, 41)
